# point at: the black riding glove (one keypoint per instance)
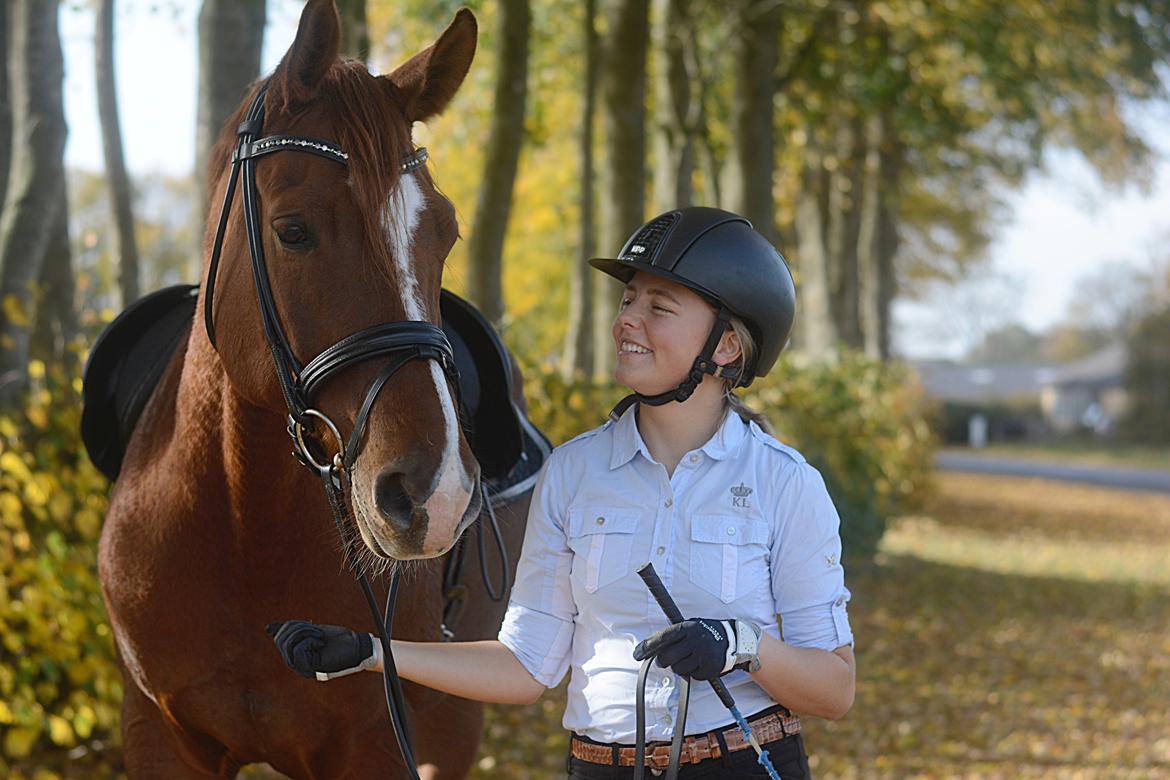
(322, 652)
(695, 648)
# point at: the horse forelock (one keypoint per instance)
(367, 122)
(373, 132)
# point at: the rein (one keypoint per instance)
(671, 610)
(396, 342)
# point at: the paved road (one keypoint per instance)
(1155, 480)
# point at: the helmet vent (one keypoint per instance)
(644, 245)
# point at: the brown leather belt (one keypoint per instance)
(766, 728)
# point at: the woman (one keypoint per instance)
(740, 528)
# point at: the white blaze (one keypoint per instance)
(399, 221)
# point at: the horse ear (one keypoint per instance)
(315, 49)
(429, 79)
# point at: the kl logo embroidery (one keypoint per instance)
(739, 496)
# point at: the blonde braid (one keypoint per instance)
(747, 352)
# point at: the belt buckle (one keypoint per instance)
(658, 757)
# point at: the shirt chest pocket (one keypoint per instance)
(729, 555)
(601, 539)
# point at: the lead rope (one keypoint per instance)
(395, 703)
(493, 594)
(640, 725)
(454, 591)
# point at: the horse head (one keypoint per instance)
(348, 247)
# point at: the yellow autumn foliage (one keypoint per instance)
(60, 688)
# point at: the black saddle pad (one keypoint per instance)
(125, 364)
(130, 355)
(509, 448)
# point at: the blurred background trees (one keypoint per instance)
(875, 142)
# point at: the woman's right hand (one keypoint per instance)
(323, 652)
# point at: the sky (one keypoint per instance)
(1063, 224)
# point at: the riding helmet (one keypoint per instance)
(722, 258)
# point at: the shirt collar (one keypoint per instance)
(627, 441)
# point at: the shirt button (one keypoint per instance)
(840, 600)
(665, 682)
(601, 521)
(694, 459)
(731, 532)
(660, 551)
(667, 502)
(666, 719)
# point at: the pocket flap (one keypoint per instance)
(727, 529)
(602, 520)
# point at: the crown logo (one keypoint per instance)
(741, 491)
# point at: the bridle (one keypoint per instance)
(397, 342)
(400, 341)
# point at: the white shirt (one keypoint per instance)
(744, 529)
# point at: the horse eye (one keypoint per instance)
(291, 233)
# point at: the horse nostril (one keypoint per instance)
(392, 499)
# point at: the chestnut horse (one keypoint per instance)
(214, 530)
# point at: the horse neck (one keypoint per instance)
(243, 445)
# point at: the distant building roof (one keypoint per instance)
(1104, 367)
(949, 381)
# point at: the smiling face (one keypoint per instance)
(660, 329)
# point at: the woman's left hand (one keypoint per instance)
(695, 648)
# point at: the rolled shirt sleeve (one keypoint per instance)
(808, 581)
(538, 625)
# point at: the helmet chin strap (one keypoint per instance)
(704, 364)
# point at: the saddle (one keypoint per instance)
(130, 355)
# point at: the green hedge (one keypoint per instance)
(863, 423)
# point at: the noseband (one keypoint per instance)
(399, 342)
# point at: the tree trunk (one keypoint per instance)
(752, 160)
(56, 325)
(623, 173)
(708, 159)
(5, 102)
(577, 359)
(843, 224)
(119, 181)
(355, 29)
(231, 34)
(674, 147)
(815, 331)
(868, 237)
(888, 241)
(36, 179)
(486, 245)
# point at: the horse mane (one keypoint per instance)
(367, 123)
